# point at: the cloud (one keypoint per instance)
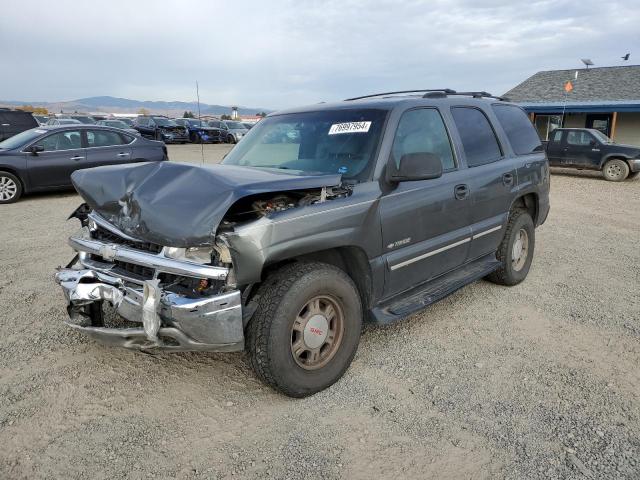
(282, 53)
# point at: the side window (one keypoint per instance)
(578, 137)
(103, 138)
(478, 140)
(519, 129)
(422, 131)
(127, 139)
(557, 136)
(142, 121)
(67, 140)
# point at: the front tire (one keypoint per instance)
(10, 188)
(515, 252)
(306, 328)
(615, 170)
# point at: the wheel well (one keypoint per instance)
(352, 260)
(15, 174)
(528, 202)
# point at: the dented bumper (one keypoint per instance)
(168, 321)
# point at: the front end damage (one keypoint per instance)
(160, 244)
(171, 304)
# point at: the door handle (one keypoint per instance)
(122, 154)
(77, 157)
(507, 179)
(461, 192)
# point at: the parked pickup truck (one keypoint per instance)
(377, 207)
(590, 149)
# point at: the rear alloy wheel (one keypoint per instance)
(10, 188)
(615, 170)
(306, 328)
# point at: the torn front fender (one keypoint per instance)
(179, 205)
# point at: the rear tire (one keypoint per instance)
(10, 188)
(516, 250)
(306, 328)
(615, 170)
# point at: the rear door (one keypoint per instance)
(425, 223)
(63, 154)
(492, 178)
(107, 147)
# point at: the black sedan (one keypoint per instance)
(43, 158)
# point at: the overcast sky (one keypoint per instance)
(276, 54)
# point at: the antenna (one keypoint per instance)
(587, 62)
(200, 123)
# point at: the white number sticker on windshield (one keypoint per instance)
(349, 127)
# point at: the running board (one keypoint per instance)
(424, 295)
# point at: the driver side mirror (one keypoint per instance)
(35, 149)
(415, 166)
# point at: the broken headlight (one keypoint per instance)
(192, 254)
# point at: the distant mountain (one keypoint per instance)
(124, 105)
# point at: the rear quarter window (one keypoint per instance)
(518, 128)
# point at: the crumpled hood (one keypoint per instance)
(179, 205)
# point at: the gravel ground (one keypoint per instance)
(540, 380)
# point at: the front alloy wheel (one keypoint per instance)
(10, 188)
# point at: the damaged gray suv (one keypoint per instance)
(321, 218)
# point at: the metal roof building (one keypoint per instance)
(605, 98)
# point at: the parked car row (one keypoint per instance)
(183, 130)
(154, 127)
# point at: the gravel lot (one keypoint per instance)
(540, 380)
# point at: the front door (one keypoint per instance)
(63, 154)
(425, 223)
(581, 149)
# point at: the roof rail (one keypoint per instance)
(444, 90)
(432, 93)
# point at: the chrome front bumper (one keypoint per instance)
(169, 322)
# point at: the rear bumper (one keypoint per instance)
(169, 322)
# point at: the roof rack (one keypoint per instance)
(432, 93)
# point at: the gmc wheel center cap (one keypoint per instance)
(315, 331)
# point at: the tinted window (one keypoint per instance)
(423, 131)
(142, 121)
(478, 140)
(519, 129)
(557, 136)
(67, 140)
(578, 137)
(103, 138)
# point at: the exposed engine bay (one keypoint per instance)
(265, 205)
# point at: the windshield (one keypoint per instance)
(600, 136)
(87, 120)
(164, 122)
(115, 123)
(235, 125)
(195, 123)
(21, 139)
(334, 141)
